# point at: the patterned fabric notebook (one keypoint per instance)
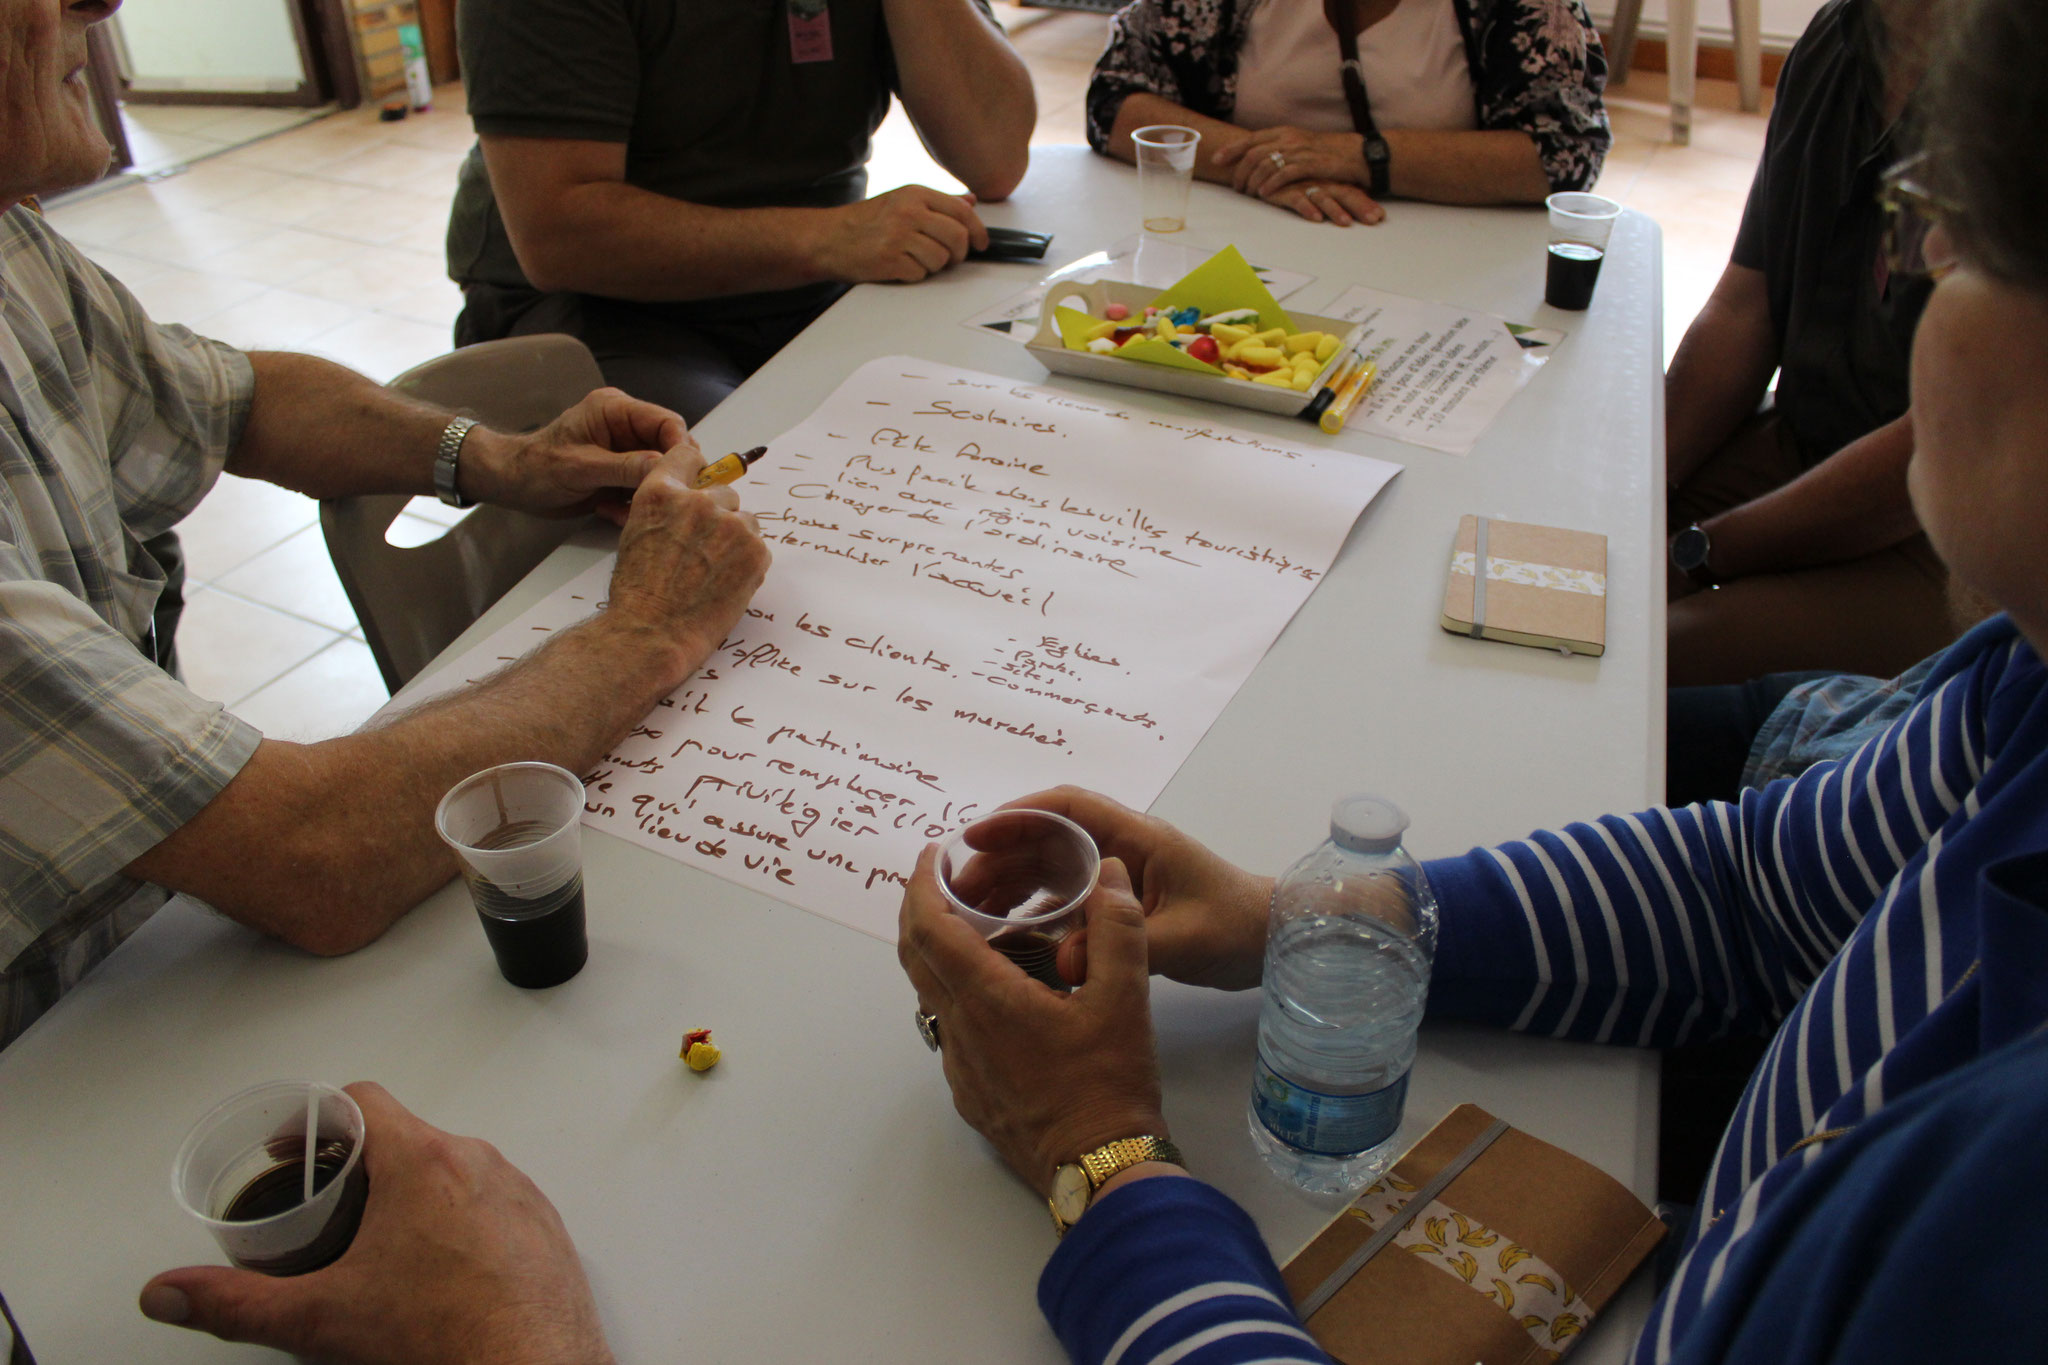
(1481, 1244)
(1528, 585)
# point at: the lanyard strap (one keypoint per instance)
(1345, 18)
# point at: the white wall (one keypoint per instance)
(213, 45)
(1783, 20)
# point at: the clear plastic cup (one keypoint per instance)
(1020, 878)
(1166, 167)
(1579, 228)
(243, 1172)
(517, 830)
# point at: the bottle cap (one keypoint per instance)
(1365, 823)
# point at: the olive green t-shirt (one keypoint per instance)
(705, 94)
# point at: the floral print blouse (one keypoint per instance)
(1537, 68)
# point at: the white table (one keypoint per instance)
(815, 1198)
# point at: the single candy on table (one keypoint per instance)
(699, 1053)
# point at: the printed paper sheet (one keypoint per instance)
(981, 588)
(1445, 372)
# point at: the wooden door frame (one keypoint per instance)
(327, 66)
(103, 79)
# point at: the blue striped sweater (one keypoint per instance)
(1852, 913)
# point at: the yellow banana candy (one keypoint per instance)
(1259, 355)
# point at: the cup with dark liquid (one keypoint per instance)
(276, 1174)
(1579, 228)
(517, 831)
(1020, 878)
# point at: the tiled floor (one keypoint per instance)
(161, 136)
(328, 238)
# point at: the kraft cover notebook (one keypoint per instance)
(1528, 585)
(1481, 1244)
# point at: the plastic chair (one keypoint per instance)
(1683, 45)
(413, 602)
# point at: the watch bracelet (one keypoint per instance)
(1124, 1153)
(447, 470)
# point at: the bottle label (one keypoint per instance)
(1323, 1124)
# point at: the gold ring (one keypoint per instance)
(928, 1029)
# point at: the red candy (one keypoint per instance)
(1204, 349)
(1116, 312)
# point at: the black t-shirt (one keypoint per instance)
(705, 94)
(1813, 227)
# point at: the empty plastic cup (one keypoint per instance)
(1166, 167)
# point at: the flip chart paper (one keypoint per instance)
(981, 588)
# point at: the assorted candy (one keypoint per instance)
(1230, 340)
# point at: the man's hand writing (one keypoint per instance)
(591, 458)
(689, 561)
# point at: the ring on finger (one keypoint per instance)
(1278, 160)
(928, 1029)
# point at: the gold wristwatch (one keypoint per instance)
(1074, 1184)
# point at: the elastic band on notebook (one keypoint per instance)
(1479, 581)
(1341, 1276)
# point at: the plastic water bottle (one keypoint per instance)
(1348, 951)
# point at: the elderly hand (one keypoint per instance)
(1269, 161)
(459, 1258)
(1205, 918)
(591, 458)
(1043, 1076)
(689, 560)
(1328, 201)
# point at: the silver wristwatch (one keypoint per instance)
(444, 462)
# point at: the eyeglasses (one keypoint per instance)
(1912, 215)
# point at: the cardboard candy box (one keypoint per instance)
(1223, 283)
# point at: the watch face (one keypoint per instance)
(1071, 1192)
(1689, 549)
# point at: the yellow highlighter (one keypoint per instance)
(729, 468)
(1333, 418)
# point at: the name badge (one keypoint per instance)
(810, 31)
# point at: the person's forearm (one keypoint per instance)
(1718, 375)
(322, 429)
(607, 237)
(966, 90)
(1141, 110)
(1852, 504)
(336, 840)
(1476, 166)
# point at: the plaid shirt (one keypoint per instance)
(114, 429)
